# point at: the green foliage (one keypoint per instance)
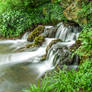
(12, 23)
(36, 32)
(67, 81)
(12, 4)
(86, 37)
(16, 16)
(86, 11)
(85, 50)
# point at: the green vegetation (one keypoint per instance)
(85, 12)
(36, 32)
(36, 42)
(18, 16)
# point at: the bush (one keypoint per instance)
(85, 49)
(86, 37)
(13, 22)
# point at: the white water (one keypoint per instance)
(19, 69)
(67, 33)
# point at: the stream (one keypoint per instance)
(20, 69)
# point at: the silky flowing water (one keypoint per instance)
(20, 69)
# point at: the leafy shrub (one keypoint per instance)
(86, 37)
(13, 22)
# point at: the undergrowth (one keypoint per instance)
(67, 81)
(17, 17)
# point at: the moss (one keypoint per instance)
(39, 40)
(36, 32)
(29, 45)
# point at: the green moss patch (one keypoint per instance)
(36, 32)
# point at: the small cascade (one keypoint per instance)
(69, 33)
(19, 69)
(53, 56)
(25, 36)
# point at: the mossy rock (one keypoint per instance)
(43, 57)
(39, 40)
(36, 32)
(29, 45)
(74, 10)
(52, 43)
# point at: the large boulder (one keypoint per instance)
(49, 31)
(72, 9)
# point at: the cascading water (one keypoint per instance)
(69, 33)
(19, 69)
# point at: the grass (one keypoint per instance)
(67, 81)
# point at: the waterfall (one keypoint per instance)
(25, 36)
(69, 33)
(19, 69)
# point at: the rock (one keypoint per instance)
(75, 60)
(36, 32)
(43, 58)
(39, 40)
(64, 55)
(72, 8)
(52, 43)
(49, 31)
(29, 45)
(67, 60)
